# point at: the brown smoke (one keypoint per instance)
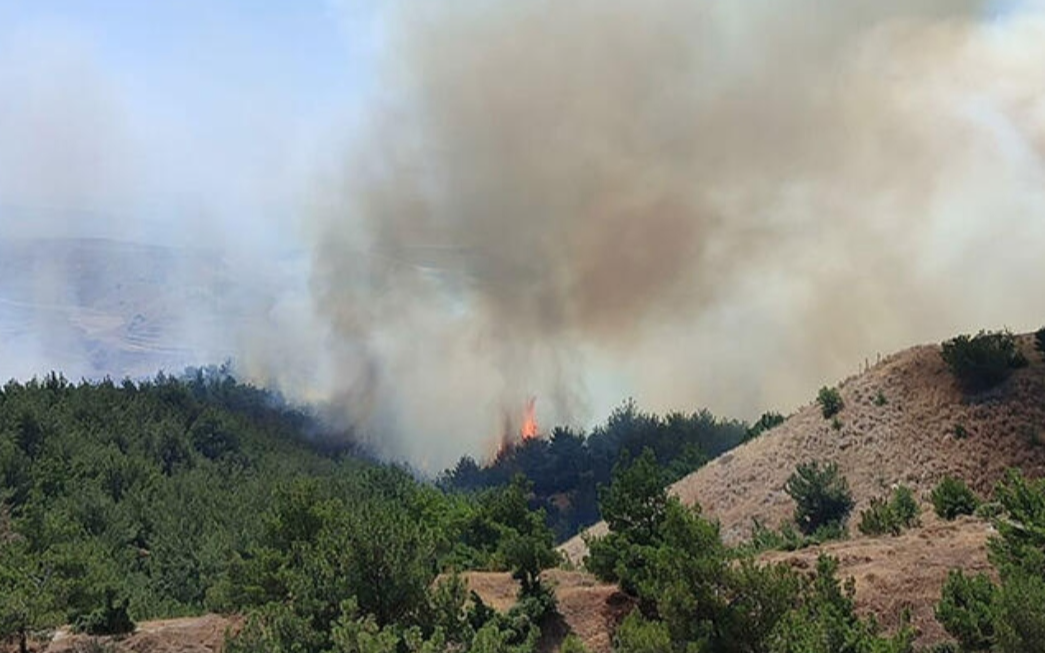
(699, 203)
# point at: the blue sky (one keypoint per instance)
(217, 104)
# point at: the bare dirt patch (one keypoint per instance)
(590, 609)
(905, 572)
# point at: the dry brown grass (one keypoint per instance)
(204, 634)
(908, 440)
(590, 609)
(894, 574)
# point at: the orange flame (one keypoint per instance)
(528, 430)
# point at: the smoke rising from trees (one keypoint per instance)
(716, 202)
(712, 203)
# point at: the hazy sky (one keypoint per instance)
(199, 114)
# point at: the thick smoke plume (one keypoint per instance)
(696, 203)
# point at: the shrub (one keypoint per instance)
(768, 421)
(787, 538)
(988, 510)
(952, 497)
(830, 401)
(636, 635)
(966, 610)
(826, 620)
(767, 539)
(1019, 617)
(821, 496)
(982, 361)
(1020, 547)
(890, 516)
(1039, 340)
(905, 506)
(879, 399)
(878, 519)
(111, 618)
(572, 644)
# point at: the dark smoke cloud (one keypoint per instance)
(697, 203)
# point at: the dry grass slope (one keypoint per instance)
(910, 439)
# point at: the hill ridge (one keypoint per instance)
(911, 438)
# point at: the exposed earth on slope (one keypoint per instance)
(925, 429)
(589, 609)
(204, 634)
(904, 572)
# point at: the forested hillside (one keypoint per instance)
(177, 496)
(568, 467)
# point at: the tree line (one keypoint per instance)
(568, 467)
(176, 496)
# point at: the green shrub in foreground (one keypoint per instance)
(821, 495)
(900, 511)
(952, 497)
(966, 610)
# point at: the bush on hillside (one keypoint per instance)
(572, 644)
(1039, 340)
(1007, 617)
(830, 401)
(966, 610)
(890, 515)
(821, 496)
(110, 618)
(952, 497)
(769, 420)
(637, 635)
(982, 361)
(787, 537)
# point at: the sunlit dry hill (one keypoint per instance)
(924, 429)
(905, 421)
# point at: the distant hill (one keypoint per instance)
(96, 307)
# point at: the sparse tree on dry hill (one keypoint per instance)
(982, 361)
(952, 497)
(821, 494)
(830, 401)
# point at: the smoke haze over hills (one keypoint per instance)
(715, 203)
